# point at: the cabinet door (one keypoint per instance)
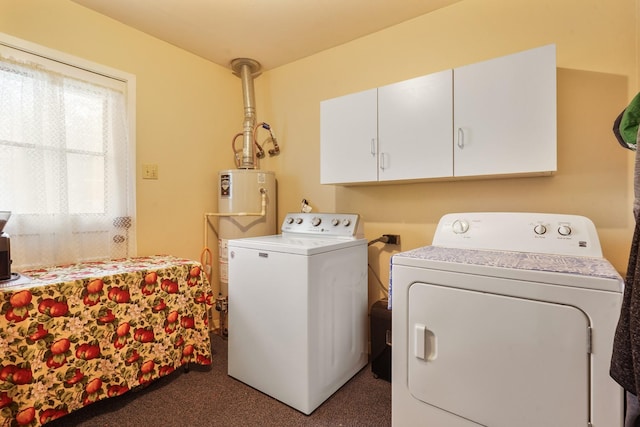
(348, 138)
(415, 128)
(505, 114)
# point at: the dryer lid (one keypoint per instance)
(584, 272)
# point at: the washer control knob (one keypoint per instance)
(564, 230)
(289, 220)
(298, 220)
(315, 221)
(540, 229)
(346, 222)
(335, 222)
(460, 226)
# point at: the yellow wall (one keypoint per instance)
(188, 109)
(597, 56)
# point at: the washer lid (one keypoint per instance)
(577, 271)
(299, 245)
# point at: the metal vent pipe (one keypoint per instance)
(247, 70)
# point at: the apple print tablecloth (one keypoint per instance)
(77, 334)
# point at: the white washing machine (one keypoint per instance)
(298, 308)
(506, 320)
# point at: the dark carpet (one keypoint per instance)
(207, 396)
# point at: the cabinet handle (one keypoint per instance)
(460, 138)
(373, 146)
(382, 155)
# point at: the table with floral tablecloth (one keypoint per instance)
(76, 334)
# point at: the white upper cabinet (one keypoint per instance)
(402, 131)
(492, 118)
(505, 115)
(414, 125)
(349, 138)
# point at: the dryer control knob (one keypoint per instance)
(289, 220)
(346, 222)
(335, 222)
(315, 221)
(460, 226)
(539, 229)
(564, 230)
(298, 220)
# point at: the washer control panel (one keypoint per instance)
(520, 232)
(325, 224)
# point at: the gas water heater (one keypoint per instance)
(249, 196)
(246, 195)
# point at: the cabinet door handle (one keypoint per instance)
(373, 146)
(382, 164)
(460, 138)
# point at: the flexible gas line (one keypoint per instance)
(259, 154)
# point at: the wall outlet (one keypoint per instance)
(393, 239)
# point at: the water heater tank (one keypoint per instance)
(241, 191)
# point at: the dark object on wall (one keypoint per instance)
(381, 340)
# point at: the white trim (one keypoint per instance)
(65, 58)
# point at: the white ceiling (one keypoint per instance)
(272, 32)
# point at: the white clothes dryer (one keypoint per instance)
(506, 320)
(298, 308)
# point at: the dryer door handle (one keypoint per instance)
(425, 343)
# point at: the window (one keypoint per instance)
(66, 157)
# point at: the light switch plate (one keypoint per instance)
(150, 171)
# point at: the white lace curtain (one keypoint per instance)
(65, 165)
